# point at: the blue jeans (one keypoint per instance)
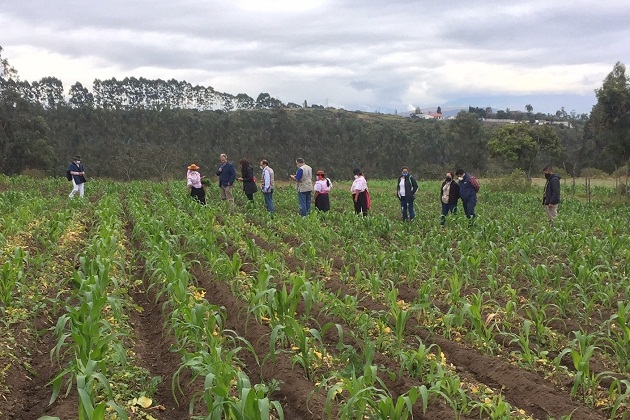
(304, 198)
(406, 205)
(446, 209)
(269, 201)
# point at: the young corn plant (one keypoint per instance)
(11, 275)
(527, 354)
(581, 353)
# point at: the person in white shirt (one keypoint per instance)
(406, 189)
(267, 185)
(322, 187)
(360, 194)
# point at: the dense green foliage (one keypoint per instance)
(140, 128)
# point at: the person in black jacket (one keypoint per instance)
(247, 178)
(449, 194)
(76, 174)
(406, 190)
(468, 188)
(551, 194)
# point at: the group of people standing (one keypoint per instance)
(227, 177)
(466, 188)
(450, 193)
(460, 186)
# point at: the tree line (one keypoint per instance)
(140, 128)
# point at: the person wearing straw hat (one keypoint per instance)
(194, 184)
(76, 174)
(322, 188)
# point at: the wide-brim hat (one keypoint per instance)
(193, 167)
(76, 157)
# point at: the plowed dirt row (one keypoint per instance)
(397, 387)
(523, 389)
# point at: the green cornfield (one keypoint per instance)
(136, 302)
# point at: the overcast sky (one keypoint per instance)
(366, 55)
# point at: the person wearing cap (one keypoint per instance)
(267, 184)
(304, 185)
(322, 188)
(76, 174)
(406, 190)
(194, 184)
(360, 194)
(227, 176)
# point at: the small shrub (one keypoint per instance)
(516, 182)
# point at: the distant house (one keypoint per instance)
(545, 122)
(499, 121)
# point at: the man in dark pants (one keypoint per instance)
(406, 190)
(551, 194)
(468, 188)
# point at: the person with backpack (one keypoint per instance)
(322, 188)
(468, 189)
(449, 196)
(406, 190)
(76, 174)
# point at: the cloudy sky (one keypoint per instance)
(359, 55)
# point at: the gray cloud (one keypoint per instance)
(371, 55)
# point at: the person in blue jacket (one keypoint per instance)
(468, 188)
(227, 176)
(406, 190)
(76, 173)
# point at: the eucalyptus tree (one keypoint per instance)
(80, 96)
(610, 117)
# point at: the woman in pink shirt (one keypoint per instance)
(322, 187)
(194, 184)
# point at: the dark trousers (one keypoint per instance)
(199, 194)
(322, 202)
(406, 206)
(469, 210)
(446, 209)
(360, 203)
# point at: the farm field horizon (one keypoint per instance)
(137, 302)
